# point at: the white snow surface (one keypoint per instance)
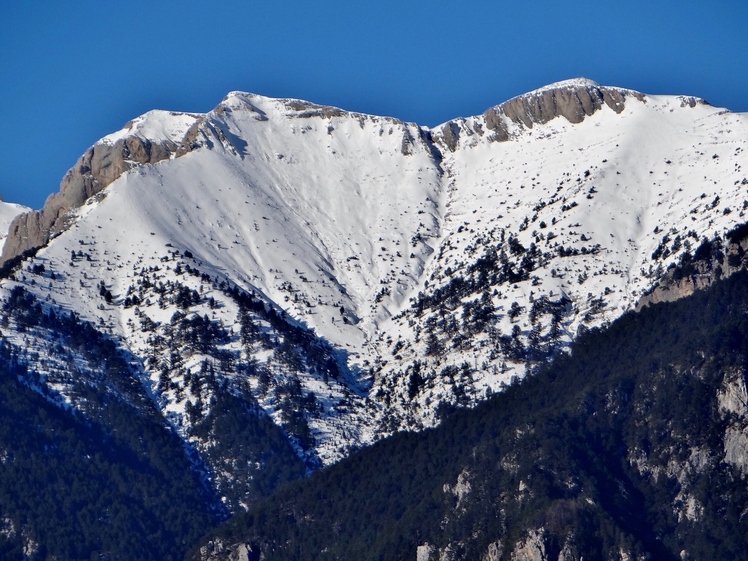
(156, 125)
(570, 83)
(341, 219)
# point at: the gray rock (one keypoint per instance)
(573, 100)
(451, 135)
(733, 395)
(494, 552)
(190, 140)
(531, 548)
(425, 552)
(245, 552)
(406, 147)
(736, 449)
(99, 166)
(306, 109)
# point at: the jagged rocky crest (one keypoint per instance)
(572, 99)
(104, 162)
(99, 166)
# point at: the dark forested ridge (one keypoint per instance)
(107, 479)
(119, 487)
(632, 447)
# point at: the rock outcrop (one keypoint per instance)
(732, 400)
(572, 99)
(494, 552)
(425, 552)
(217, 550)
(711, 261)
(532, 548)
(99, 166)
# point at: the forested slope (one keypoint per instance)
(632, 447)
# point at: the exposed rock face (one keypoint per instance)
(532, 548)
(245, 553)
(569, 552)
(218, 550)
(99, 166)
(450, 134)
(494, 552)
(539, 545)
(672, 290)
(573, 99)
(710, 263)
(736, 449)
(307, 109)
(461, 489)
(733, 396)
(732, 400)
(425, 552)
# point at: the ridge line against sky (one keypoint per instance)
(72, 72)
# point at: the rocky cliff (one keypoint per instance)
(100, 165)
(713, 259)
(572, 99)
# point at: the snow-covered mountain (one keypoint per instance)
(352, 275)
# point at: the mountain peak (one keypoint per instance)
(573, 99)
(343, 277)
(156, 126)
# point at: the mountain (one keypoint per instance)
(277, 283)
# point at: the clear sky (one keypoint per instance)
(72, 72)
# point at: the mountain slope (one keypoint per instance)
(106, 479)
(630, 448)
(300, 281)
(146, 140)
(588, 215)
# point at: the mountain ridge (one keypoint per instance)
(137, 143)
(214, 130)
(628, 448)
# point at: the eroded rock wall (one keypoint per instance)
(99, 166)
(711, 262)
(574, 101)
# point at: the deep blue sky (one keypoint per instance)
(72, 72)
